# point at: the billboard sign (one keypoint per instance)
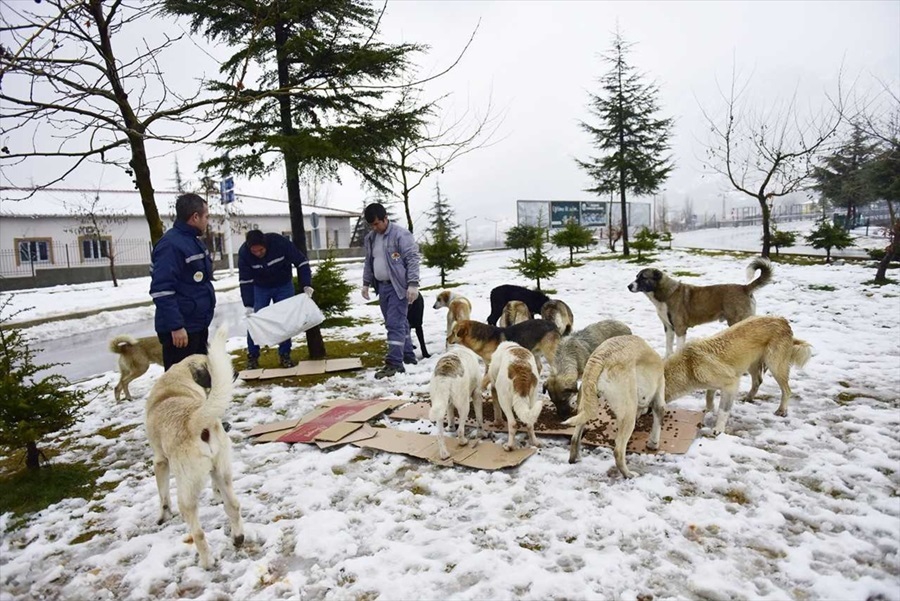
(593, 214)
(563, 210)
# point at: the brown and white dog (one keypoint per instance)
(184, 428)
(458, 308)
(627, 375)
(514, 312)
(455, 383)
(514, 389)
(681, 306)
(135, 357)
(559, 313)
(718, 362)
(537, 335)
(571, 356)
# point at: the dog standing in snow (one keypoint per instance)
(184, 427)
(456, 382)
(135, 357)
(514, 378)
(458, 308)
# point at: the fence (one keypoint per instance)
(33, 256)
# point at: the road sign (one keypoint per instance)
(314, 220)
(226, 190)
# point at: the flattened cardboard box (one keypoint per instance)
(679, 427)
(343, 422)
(303, 368)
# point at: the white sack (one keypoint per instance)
(284, 319)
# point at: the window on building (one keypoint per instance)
(334, 240)
(95, 248)
(34, 250)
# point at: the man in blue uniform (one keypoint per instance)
(265, 275)
(181, 283)
(392, 268)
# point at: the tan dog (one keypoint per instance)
(571, 356)
(458, 308)
(135, 357)
(514, 312)
(559, 313)
(718, 362)
(536, 335)
(681, 306)
(514, 389)
(185, 431)
(456, 382)
(627, 375)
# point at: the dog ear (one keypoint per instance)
(201, 376)
(461, 331)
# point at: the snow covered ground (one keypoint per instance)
(803, 507)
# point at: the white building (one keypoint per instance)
(65, 229)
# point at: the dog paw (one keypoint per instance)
(781, 413)
(239, 540)
(652, 445)
(463, 442)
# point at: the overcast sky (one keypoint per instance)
(539, 60)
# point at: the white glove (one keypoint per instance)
(412, 293)
(248, 311)
(309, 291)
(365, 292)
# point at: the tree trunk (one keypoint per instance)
(314, 342)
(112, 266)
(32, 456)
(625, 250)
(443, 278)
(767, 234)
(409, 220)
(889, 253)
(571, 256)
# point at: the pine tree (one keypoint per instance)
(445, 250)
(828, 236)
(645, 241)
(842, 180)
(538, 266)
(522, 237)
(332, 291)
(31, 408)
(320, 101)
(572, 236)
(630, 136)
(781, 238)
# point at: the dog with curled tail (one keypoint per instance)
(514, 375)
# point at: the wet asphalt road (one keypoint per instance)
(86, 355)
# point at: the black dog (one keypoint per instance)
(414, 316)
(509, 292)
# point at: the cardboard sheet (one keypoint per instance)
(679, 427)
(303, 368)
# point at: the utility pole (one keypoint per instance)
(467, 228)
(496, 225)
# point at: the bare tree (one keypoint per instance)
(68, 97)
(687, 212)
(94, 231)
(768, 153)
(662, 214)
(317, 194)
(437, 141)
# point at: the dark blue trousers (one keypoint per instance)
(262, 297)
(394, 311)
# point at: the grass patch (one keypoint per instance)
(28, 491)
(823, 287)
(885, 282)
(737, 496)
(685, 274)
(446, 286)
(87, 536)
(574, 264)
(344, 322)
(844, 397)
(609, 257)
(642, 260)
(110, 432)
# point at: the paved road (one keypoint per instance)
(86, 355)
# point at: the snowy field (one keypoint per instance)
(803, 507)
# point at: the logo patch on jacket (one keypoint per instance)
(395, 256)
(198, 276)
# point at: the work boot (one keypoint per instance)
(410, 360)
(286, 361)
(252, 362)
(389, 370)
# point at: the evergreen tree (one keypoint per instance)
(332, 291)
(631, 137)
(828, 236)
(645, 241)
(445, 250)
(667, 238)
(316, 105)
(522, 237)
(842, 180)
(31, 408)
(538, 265)
(781, 238)
(572, 236)
(883, 175)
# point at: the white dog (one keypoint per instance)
(627, 375)
(456, 381)
(184, 428)
(514, 378)
(458, 308)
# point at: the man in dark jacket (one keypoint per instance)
(265, 275)
(181, 283)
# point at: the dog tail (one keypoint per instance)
(122, 344)
(221, 376)
(588, 403)
(801, 352)
(440, 398)
(765, 273)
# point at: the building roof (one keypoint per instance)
(62, 202)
